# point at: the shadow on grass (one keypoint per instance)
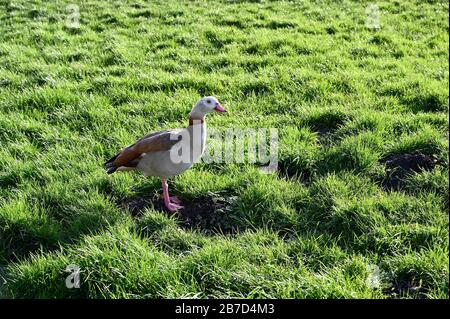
(206, 213)
(399, 166)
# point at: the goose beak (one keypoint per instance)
(219, 108)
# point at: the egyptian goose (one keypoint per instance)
(158, 154)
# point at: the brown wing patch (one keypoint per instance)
(127, 155)
(151, 143)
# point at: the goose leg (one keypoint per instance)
(170, 206)
(175, 200)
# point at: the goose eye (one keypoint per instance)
(208, 101)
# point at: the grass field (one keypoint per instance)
(362, 192)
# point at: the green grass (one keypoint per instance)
(343, 97)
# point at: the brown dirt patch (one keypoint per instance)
(208, 213)
(400, 165)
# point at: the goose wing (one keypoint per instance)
(153, 142)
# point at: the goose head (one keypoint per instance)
(205, 105)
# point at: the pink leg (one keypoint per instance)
(175, 199)
(170, 206)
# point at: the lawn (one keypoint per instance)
(357, 209)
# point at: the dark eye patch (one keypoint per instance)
(208, 101)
